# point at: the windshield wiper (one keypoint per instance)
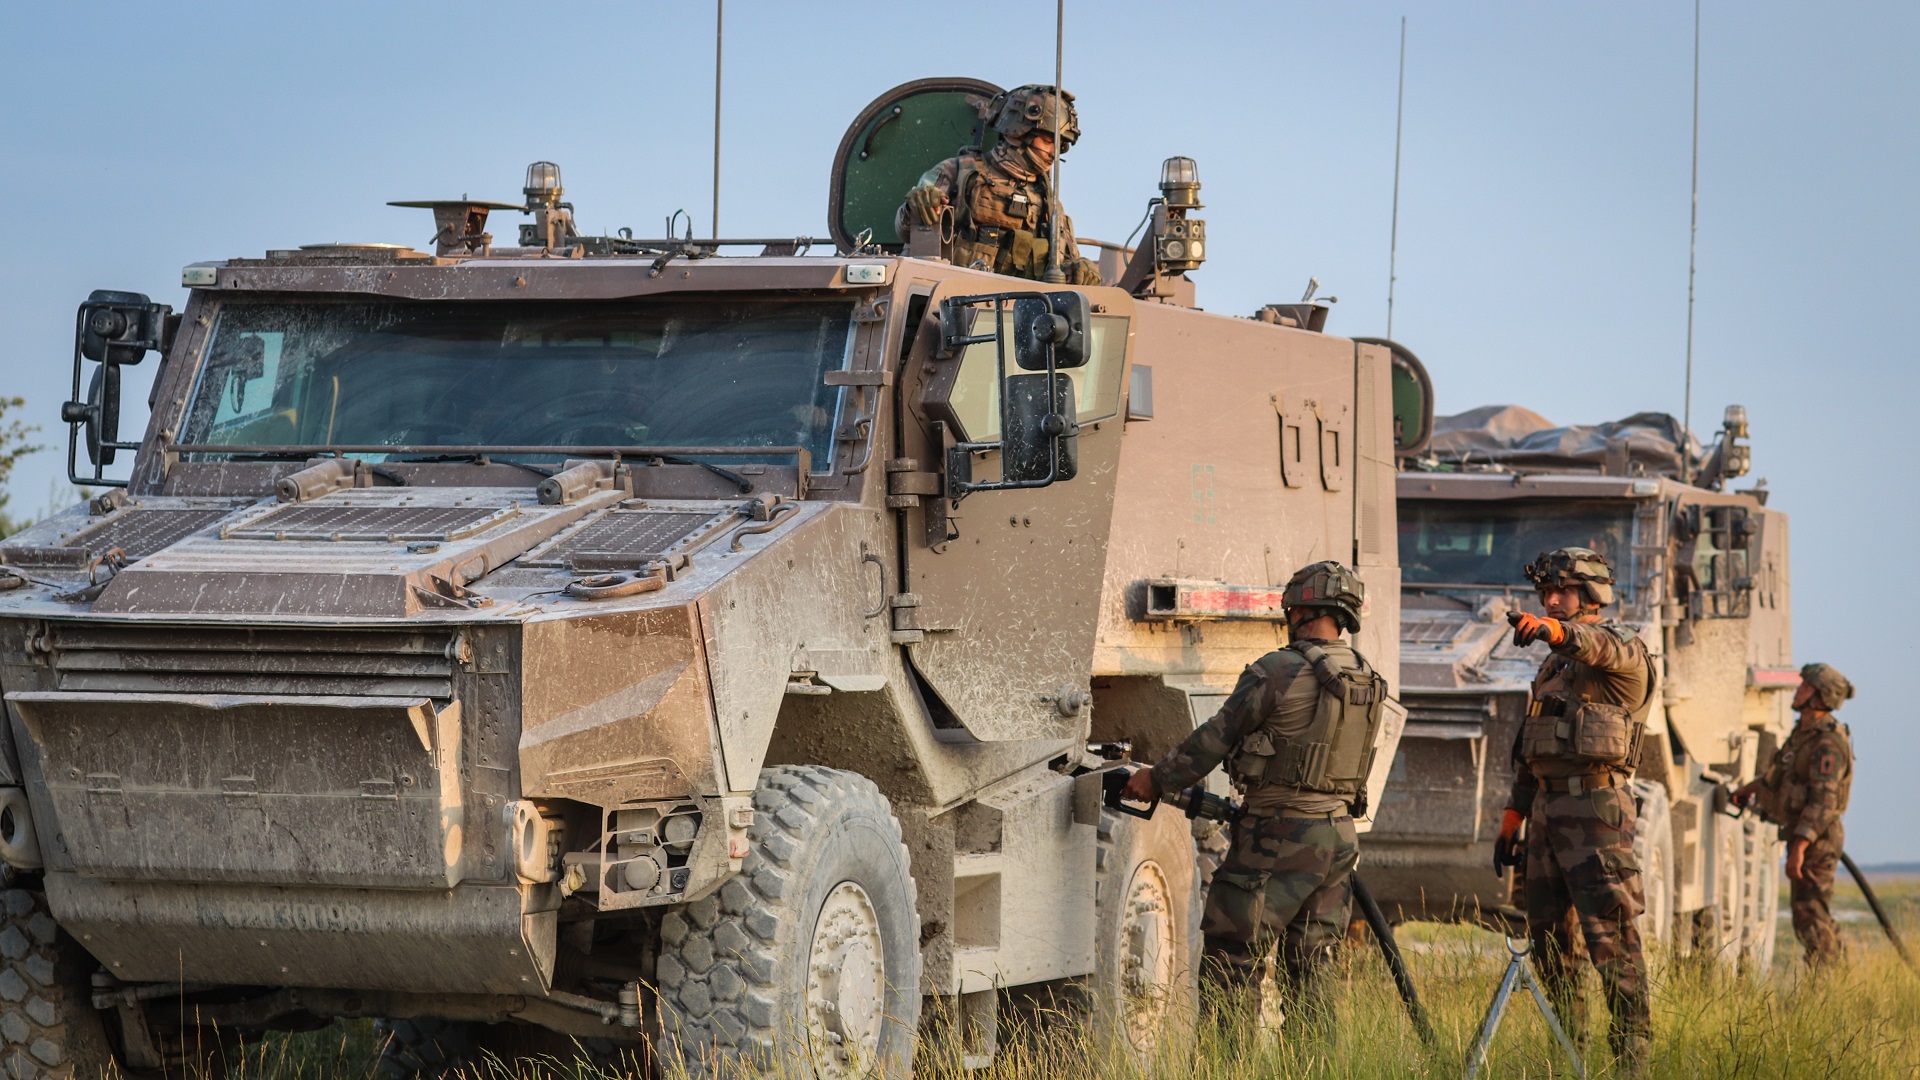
(470, 459)
(745, 485)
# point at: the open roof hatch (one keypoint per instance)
(903, 133)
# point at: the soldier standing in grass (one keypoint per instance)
(1576, 751)
(1297, 735)
(1804, 791)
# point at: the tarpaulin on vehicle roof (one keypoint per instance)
(1513, 437)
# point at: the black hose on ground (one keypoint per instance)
(1879, 912)
(1389, 948)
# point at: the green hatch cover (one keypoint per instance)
(1412, 399)
(903, 133)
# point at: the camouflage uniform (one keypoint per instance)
(1808, 783)
(1002, 206)
(1581, 872)
(1287, 872)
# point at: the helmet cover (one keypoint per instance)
(1564, 568)
(1328, 585)
(1827, 681)
(1020, 112)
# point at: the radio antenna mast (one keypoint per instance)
(1693, 239)
(719, 26)
(1393, 241)
(1054, 274)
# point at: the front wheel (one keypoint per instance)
(807, 964)
(1653, 850)
(48, 1026)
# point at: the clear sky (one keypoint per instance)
(1543, 239)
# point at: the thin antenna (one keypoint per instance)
(1393, 242)
(1054, 274)
(1693, 240)
(719, 26)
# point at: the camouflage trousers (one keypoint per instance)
(1583, 883)
(1286, 881)
(1812, 898)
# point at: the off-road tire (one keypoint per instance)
(733, 968)
(1761, 927)
(48, 1026)
(1719, 929)
(1653, 850)
(1154, 862)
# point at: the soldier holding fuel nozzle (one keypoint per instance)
(1804, 791)
(1297, 735)
(1575, 752)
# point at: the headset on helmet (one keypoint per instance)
(1020, 112)
(1826, 679)
(1328, 585)
(1569, 566)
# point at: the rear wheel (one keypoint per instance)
(48, 1026)
(1719, 927)
(807, 964)
(1653, 850)
(1146, 918)
(1762, 895)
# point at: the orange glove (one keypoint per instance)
(1529, 628)
(1506, 849)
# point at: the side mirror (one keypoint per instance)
(1039, 432)
(1053, 323)
(111, 329)
(1040, 440)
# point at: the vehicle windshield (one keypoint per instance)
(686, 373)
(1487, 543)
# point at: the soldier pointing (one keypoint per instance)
(1576, 750)
(1002, 201)
(1297, 735)
(1804, 791)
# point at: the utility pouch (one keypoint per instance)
(1027, 254)
(1794, 802)
(1601, 733)
(993, 203)
(1249, 767)
(1547, 732)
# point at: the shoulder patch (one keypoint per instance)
(1826, 764)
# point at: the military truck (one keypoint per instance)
(1702, 572)
(652, 643)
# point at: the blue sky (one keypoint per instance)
(1543, 242)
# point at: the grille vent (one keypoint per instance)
(625, 538)
(137, 532)
(319, 521)
(254, 660)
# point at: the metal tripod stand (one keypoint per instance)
(1518, 970)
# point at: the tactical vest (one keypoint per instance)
(1335, 753)
(998, 222)
(1572, 729)
(1783, 794)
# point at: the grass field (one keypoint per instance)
(1862, 1022)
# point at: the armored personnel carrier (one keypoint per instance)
(686, 647)
(1702, 572)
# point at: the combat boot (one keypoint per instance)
(1632, 1055)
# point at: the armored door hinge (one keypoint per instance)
(906, 483)
(906, 619)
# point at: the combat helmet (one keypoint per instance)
(1328, 585)
(1566, 567)
(1827, 681)
(1020, 112)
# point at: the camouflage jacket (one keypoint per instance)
(1277, 692)
(1606, 658)
(1001, 217)
(1809, 779)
